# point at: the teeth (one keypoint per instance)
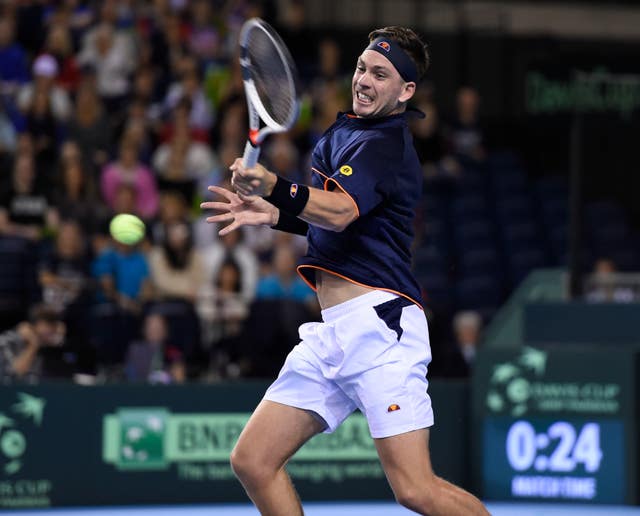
(364, 97)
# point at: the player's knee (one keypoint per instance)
(417, 497)
(247, 467)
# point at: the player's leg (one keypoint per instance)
(406, 462)
(277, 428)
(272, 435)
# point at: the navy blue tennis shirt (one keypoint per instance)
(374, 162)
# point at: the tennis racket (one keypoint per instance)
(270, 84)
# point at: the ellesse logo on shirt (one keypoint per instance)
(346, 170)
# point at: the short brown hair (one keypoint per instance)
(409, 41)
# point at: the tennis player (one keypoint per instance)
(372, 349)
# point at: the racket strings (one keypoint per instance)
(269, 71)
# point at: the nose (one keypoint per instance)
(363, 80)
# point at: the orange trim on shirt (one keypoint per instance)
(314, 288)
(328, 179)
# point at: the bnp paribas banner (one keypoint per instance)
(199, 445)
(558, 424)
(65, 445)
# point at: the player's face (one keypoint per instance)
(377, 88)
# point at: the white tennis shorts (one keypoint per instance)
(369, 353)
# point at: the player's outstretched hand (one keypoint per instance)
(241, 210)
(252, 181)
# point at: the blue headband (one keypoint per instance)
(398, 57)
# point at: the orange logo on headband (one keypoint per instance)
(293, 190)
(384, 46)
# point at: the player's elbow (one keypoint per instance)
(342, 217)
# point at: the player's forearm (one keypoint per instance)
(328, 210)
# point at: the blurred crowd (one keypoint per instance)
(125, 106)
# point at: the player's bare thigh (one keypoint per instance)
(272, 435)
(405, 458)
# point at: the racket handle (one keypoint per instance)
(250, 156)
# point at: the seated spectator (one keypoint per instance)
(25, 209)
(59, 45)
(123, 275)
(189, 86)
(466, 136)
(153, 359)
(90, 128)
(75, 196)
(221, 305)
(113, 59)
(177, 268)
(124, 288)
(232, 247)
(14, 69)
(284, 282)
(604, 287)
(182, 162)
(44, 130)
(467, 326)
(65, 272)
(45, 71)
(431, 146)
(36, 350)
(127, 169)
(173, 210)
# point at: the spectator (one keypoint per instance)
(173, 210)
(44, 130)
(190, 87)
(123, 275)
(232, 247)
(183, 162)
(90, 128)
(467, 326)
(177, 268)
(59, 45)
(25, 208)
(153, 359)
(14, 70)
(284, 282)
(36, 350)
(465, 134)
(112, 57)
(128, 169)
(431, 145)
(222, 308)
(45, 70)
(604, 285)
(65, 272)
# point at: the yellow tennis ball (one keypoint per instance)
(127, 229)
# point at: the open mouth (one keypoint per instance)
(364, 99)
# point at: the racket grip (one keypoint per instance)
(250, 156)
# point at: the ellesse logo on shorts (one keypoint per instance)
(346, 170)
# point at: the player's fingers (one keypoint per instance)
(228, 229)
(227, 194)
(213, 205)
(222, 217)
(248, 198)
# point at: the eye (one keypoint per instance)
(360, 68)
(380, 76)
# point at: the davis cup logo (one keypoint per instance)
(510, 383)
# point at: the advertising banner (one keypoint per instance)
(66, 445)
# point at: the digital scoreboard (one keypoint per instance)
(571, 459)
(557, 426)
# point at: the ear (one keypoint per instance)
(408, 91)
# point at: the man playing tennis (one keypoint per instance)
(372, 349)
